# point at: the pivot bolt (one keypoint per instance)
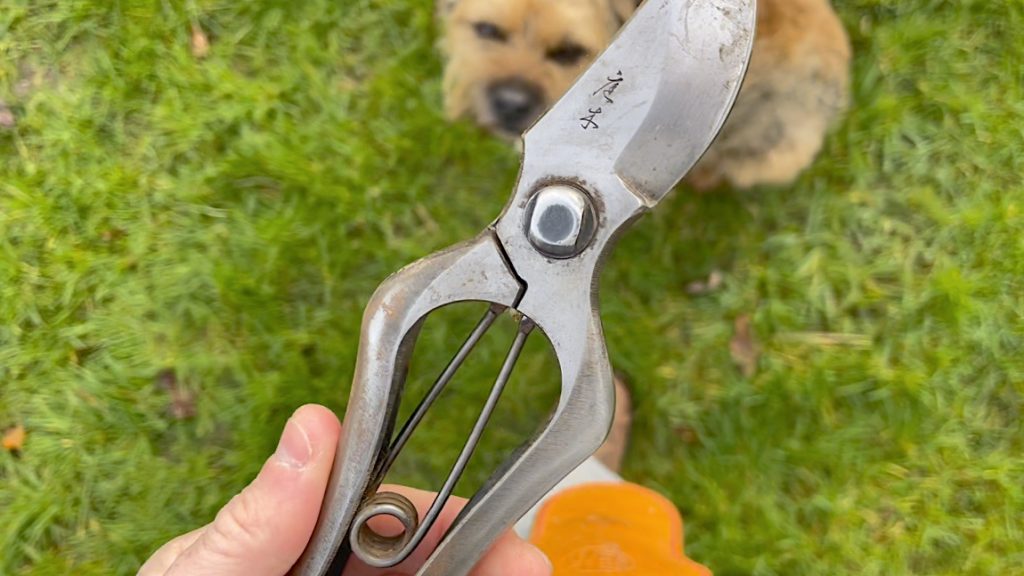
(561, 221)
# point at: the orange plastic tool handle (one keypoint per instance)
(621, 529)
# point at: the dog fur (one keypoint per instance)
(507, 61)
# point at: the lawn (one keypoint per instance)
(189, 232)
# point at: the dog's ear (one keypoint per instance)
(622, 9)
(444, 7)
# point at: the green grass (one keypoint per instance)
(226, 219)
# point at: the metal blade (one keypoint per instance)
(653, 102)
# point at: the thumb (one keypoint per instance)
(263, 530)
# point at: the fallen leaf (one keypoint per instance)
(14, 439)
(200, 42)
(183, 401)
(7, 119)
(30, 79)
(744, 347)
(112, 234)
(713, 283)
(686, 434)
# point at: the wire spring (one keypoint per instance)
(380, 551)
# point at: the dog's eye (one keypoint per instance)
(567, 54)
(489, 31)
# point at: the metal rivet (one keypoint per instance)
(561, 221)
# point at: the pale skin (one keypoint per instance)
(263, 530)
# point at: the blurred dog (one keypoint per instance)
(509, 60)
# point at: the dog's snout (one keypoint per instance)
(515, 103)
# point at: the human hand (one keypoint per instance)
(263, 530)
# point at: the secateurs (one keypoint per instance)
(610, 150)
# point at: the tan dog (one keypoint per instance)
(509, 60)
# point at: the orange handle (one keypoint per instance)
(613, 529)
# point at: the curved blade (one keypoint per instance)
(653, 102)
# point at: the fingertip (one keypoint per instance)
(266, 527)
(541, 564)
(310, 438)
(318, 421)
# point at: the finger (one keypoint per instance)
(510, 555)
(162, 559)
(263, 530)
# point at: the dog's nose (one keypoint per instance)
(515, 103)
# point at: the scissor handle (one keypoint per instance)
(472, 271)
